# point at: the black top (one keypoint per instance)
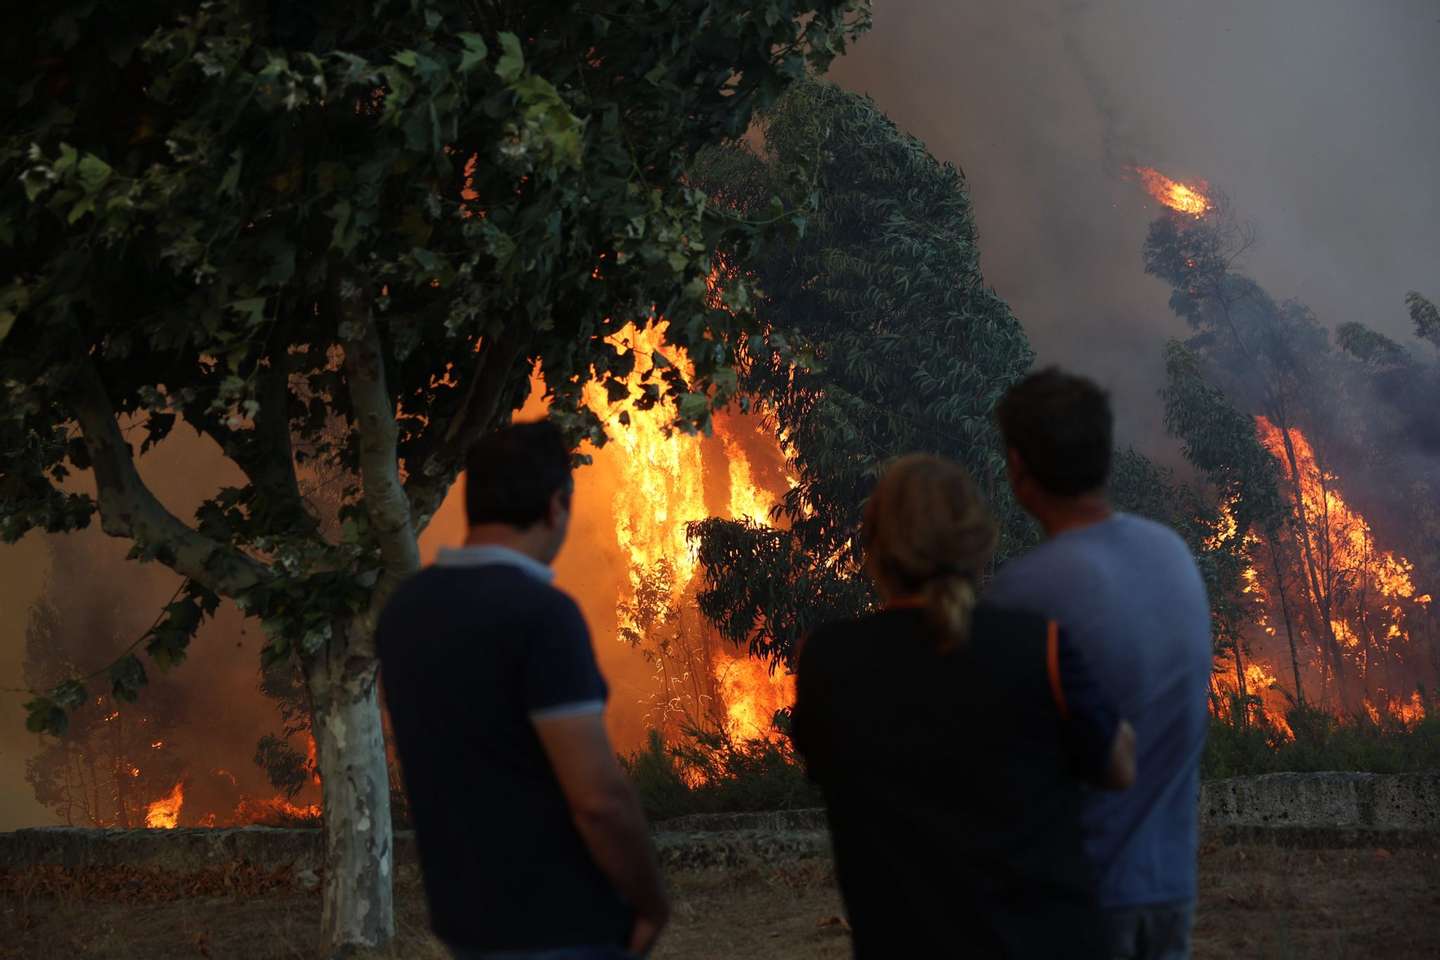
(953, 783)
(468, 654)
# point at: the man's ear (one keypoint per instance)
(1013, 464)
(558, 506)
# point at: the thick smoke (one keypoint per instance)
(1318, 118)
(222, 713)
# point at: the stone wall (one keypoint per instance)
(1324, 809)
(1317, 809)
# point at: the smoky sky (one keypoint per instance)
(1320, 119)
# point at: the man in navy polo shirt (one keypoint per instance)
(531, 839)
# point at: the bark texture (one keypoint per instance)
(358, 909)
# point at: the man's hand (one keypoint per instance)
(645, 933)
(608, 816)
(1120, 769)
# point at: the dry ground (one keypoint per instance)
(1255, 902)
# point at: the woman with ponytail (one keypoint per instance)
(953, 743)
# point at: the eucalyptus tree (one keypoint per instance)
(1352, 416)
(880, 337)
(338, 236)
(1270, 358)
(1250, 512)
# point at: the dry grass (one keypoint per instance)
(1256, 902)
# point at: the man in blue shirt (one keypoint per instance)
(1128, 593)
(531, 839)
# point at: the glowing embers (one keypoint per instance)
(1178, 195)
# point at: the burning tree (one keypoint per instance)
(880, 337)
(1271, 413)
(339, 237)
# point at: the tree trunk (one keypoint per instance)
(1320, 598)
(1289, 627)
(120, 772)
(1242, 702)
(358, 909)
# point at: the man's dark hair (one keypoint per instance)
(511, 474)
(1061, 427)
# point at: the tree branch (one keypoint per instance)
(271, 460)
(481, 410)
(265, 453)
(377, 437)
(129, 509)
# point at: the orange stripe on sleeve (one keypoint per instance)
(1052, 665)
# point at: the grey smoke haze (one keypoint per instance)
(1319, 118)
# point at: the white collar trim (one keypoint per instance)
(487, 554)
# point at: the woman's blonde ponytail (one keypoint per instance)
(928, 535)
(950, 603)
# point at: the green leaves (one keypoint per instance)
(484, 182)
(127, 676)
(475, 51)
(14, 298)
(512, 58)
(44, 715)
(169, 639)
(50, 714)
(549, 120)
(880, 338)
(231, 179)
(92, 173)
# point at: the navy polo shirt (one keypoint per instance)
(472, 651)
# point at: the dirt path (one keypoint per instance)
(1256, 902)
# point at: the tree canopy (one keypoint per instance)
(336, 238)
(879, 337)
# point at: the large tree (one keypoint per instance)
(339, 236)
(1244, 526)
(880, 338)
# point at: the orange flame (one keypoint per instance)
(1410, 711)
(752, 696)
(1178, 195)
(164, 814)
(663, 489)
(1260, 684)
(1343, 536)
(310, 759)
(664, 486)
(1350, 538)
(274, 811)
